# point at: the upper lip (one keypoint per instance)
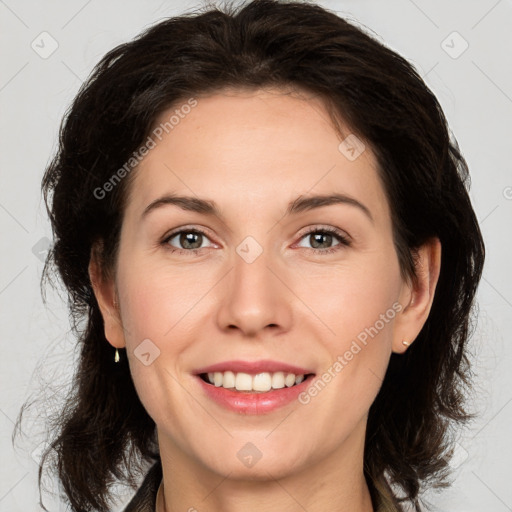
(253, 367)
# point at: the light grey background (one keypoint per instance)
(475, 89)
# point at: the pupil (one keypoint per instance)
(319, 236)
(188, 238)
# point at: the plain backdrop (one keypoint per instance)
(462, 49)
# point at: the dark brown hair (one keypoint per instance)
(103, 429)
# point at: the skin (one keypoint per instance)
(252, 152)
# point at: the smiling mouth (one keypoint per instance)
(260, 383)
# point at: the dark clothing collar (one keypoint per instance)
(145, 499)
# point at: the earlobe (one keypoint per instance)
(418, 295)
(104, 291)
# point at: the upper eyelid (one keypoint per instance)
(186, 229)
(331, 229)
(343, 237)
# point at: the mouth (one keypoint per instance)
(253, 387)
(264, 382)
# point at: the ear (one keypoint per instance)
(106, 296)
(416, 298)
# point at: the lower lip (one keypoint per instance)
(254, 403)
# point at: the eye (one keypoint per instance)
(191, 241)
(321, 240)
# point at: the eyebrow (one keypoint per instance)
(301, 204)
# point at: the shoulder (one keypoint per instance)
(145, 498)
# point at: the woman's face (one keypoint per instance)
(267, 282)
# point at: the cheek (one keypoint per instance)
(159, 301)
(352, 298)
(162, 306)
(157, 314)
(360, 310)
(358, 356)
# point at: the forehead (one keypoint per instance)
(253, 146)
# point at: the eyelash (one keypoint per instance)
(344, 241)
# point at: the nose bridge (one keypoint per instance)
(254, 297)
(253, 282)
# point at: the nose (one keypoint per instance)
(254, 297)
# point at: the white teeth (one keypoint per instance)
(228, 381)
(243, 382)
(217, 379)
(278, 380)
(260, 382)
(289, 380)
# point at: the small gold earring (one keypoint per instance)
(405, 343)
(116, 356)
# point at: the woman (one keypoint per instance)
(262, 217)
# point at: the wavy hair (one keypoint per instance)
(103, 430)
